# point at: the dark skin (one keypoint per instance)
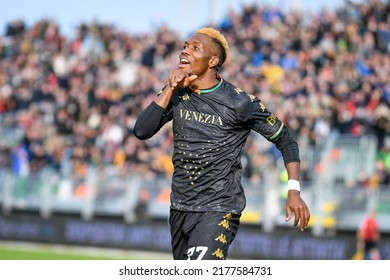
(198, 61)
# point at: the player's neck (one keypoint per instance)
(205, 82)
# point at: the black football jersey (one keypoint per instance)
(210, 129)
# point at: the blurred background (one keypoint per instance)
(75, 76)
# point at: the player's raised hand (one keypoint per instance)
(180, 79)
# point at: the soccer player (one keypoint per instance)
(212, 119)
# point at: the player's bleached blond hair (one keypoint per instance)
(219, 39)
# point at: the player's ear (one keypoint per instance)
(214, 61)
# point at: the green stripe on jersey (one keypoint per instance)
(211, 89)
(277, 132)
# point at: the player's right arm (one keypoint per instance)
(150, 121)
(254, 114)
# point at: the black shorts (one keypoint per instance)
(202, 235)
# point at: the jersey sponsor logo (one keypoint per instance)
(228, 216)
(200, 117)
(262, 106)
(251, 97)
(218, 253)
(271, 119)
(221, 238)
(224, 223)
(238, 90)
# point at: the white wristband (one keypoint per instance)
(294, 185)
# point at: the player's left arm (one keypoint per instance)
(253, 113)
(288, 147)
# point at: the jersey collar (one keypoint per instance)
(201, 91)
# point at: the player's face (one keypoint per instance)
(197, 54)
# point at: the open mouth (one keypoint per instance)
(184, 62)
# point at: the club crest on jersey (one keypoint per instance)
(185, 97)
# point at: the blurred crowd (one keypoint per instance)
(69, 102)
